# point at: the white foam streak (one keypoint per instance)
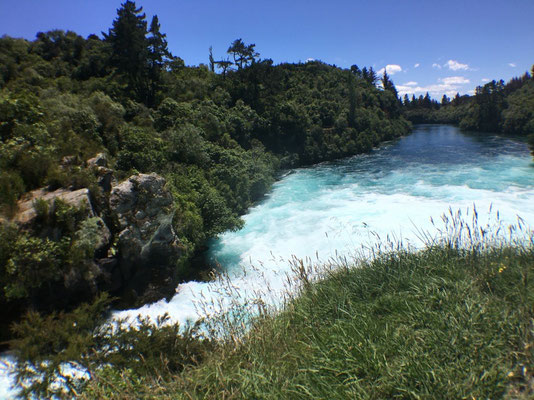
(340, 210)
(320, 214)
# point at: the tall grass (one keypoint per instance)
(452, 320)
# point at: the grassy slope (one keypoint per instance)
(442, 323)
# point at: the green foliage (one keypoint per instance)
(187, 145)
(219, 140)
(518, 118)
(141, 150)
(34, 262)
(243, 54)
(44, 343)
(453, 320)
(138, 54)
(45, 346)
(18, 110)
(11, 187)
(88, 238)
(38, 260)
(495, 107)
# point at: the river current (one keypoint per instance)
(333, 210)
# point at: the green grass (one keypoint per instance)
(442, 323)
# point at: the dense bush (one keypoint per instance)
(49, 347)
(218, 139)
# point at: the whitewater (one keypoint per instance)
(333, 211)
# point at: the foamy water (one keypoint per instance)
(332, 210)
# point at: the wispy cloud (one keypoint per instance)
(391, 69)
(485, 80)
(436, 66)
(456, 66)
(512, 65)
(310, 59)
(416, 65)
(448, 85)
(454, 80)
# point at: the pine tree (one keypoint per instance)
(388, 84)
(372, 78)
(158, 55)
(157, 45)
(427, 102)
(130, 47)
(243, 54)
(356, 70)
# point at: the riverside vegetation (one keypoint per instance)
(219, 140)
(452, 320)
(218, 134)
(496, 107)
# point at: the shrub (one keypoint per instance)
(45, 346)
(11, 187)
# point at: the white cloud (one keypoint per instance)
(455, 65)
(485, 80)
(436, 90)
(454, 80)
(310, 59)
(449, 85)
(437, 66)
(391, 69)
(416, 65)
(512, 65)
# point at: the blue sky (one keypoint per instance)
(440, 46)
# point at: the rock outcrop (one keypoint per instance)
(26, 207)
(146, 242)
(130, 226)
(99, 164)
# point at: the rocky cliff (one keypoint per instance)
(126, 225)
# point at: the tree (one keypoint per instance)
(456, 101)
(427, 102)
(158, 55)
(352, 100)
(369, 75)
(130, 47)
(388, 84)
(243, 54)
(356, 70)
(224, 65)
(212, 60)
(445, 100)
